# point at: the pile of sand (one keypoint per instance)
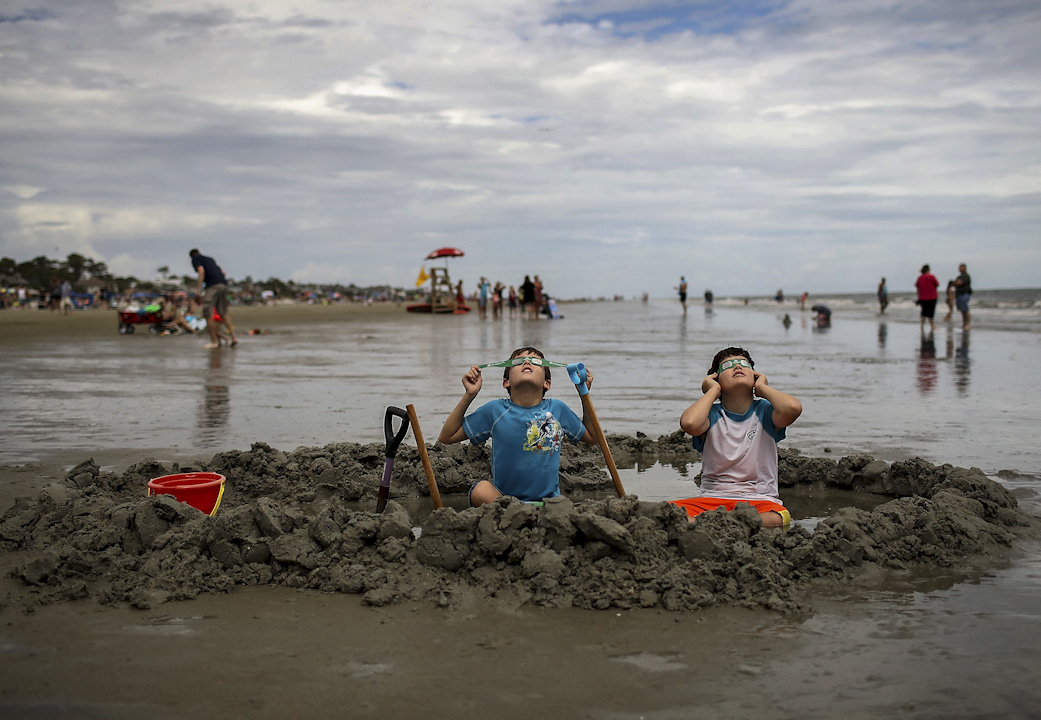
(305, 519)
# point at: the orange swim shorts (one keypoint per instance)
(697, 505)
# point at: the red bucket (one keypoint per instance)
(201, 490)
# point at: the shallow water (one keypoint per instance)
(868, 385)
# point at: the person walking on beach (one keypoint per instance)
(950, 301)
(527, 296)
(66, 297)
(962, 294)
(926, 285)
(483, 288)
(497, 300)
(526, 430)
(682, 289)
(736, 425)
(211, 276)
(513, 302)
(883, 297)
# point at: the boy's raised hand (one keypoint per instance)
(760, 383)
(472, 380)
(711, 381)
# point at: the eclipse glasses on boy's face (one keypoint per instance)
(514, 362)
(734, 362)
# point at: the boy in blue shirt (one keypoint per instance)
(737, 438)
(526, 430)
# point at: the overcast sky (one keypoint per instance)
(608, 146)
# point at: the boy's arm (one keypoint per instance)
(453, 432)
(694, 420)
(588, 438)
(787, 409)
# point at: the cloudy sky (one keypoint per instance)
(607, 145)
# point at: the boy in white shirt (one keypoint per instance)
(737, 438)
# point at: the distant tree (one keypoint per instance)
(8, 266)
(39, 272)
(164, 272)
(123, 283)
(276, 285)
(98, 270)
(73, 268)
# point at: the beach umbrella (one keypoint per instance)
(445, 252)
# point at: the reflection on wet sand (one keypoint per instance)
(926, 377)
(216, 399)
(962, 364)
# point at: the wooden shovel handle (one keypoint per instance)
(592, 419)
(421, 446)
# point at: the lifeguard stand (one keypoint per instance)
(442, 294)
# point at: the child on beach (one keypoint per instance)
(737, 438)
(526, 430)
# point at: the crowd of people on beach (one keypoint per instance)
(958, 294)
(528, 300)
(60, 297)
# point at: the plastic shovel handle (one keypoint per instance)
(577, 373)
(394, 437)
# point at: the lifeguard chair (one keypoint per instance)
(443, 299)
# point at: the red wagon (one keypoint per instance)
(129, 318)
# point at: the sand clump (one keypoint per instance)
(304, 519)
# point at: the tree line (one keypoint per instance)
(86, 274)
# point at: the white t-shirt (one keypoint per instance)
(739, 453)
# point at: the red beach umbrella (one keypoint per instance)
(445, 252)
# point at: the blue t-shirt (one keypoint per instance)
(525, 444)
(212, 273)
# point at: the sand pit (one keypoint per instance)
(304, 519)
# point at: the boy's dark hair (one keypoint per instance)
(730, 352)
(525, 351)
(193, 252)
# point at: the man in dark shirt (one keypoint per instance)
(215, 300)
(962, 294)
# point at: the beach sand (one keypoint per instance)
(295, 597)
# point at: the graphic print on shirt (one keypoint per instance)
(752, 432)
(544, 435)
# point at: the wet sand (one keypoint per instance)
(885, 639)
(344, 609)
(21, 327)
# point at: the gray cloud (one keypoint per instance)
(815, 145)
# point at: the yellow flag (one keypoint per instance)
(423, 277)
